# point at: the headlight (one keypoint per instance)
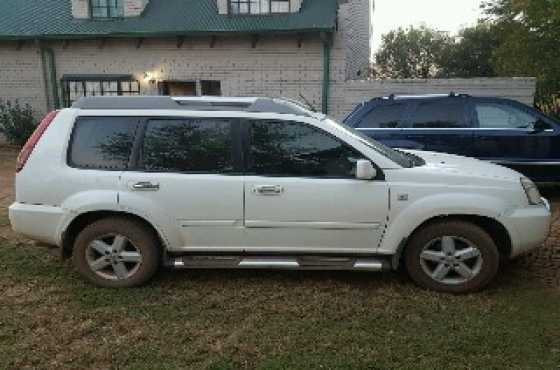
(533, 194)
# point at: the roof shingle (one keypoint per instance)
(20, 19)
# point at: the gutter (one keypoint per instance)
(327, 39)
(49, 77)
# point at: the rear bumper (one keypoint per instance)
(528, 227)
(37, 222)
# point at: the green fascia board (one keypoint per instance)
(52, 19)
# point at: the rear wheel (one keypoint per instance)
(453, 256)
(116, 253)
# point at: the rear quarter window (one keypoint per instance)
(102, 143)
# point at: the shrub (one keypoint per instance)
(17, 122)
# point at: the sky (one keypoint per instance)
(444, 15)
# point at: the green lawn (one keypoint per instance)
(49, 318)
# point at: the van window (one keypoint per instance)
(384, 116)
(294, 149)
(102, 143)
(188, 145)
(439, 114)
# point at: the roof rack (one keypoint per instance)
(424, 96)
(251, 105)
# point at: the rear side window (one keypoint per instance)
(384, 116)
(501, 116)
(293, 149)
(188, 145)
(102, 143)
(439, 114)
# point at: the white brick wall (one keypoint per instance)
(80, 9)
(134, 8)
(21, 75)
(275, 67)
(355, 18)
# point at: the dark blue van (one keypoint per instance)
(494, 129)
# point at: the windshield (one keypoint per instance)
(401, 158)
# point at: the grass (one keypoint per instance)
(50, 318)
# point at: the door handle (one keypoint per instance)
(145, 186)
(268, 190)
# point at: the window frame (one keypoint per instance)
(108, 9)
(130, 163)
(515, 105)
(408, 122)
(370, 109)
(246, 145)
(249, 13)
(137, 159)
(119, 80)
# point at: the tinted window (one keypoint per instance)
(438, 114)
(188, 145)
(384, 116)
(279, 148)
(103, 142)
(494, 115)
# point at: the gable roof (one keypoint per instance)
(52, 19)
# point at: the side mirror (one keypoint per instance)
(365, 170)
(540, 126)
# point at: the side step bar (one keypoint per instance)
(280, 262)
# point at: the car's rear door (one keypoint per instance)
(517, 136)
(439, 125)
(186, 179)
(301, 193)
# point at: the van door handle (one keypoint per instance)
(145, 186)
(268, 190)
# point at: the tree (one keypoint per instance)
(410, 53)
(529, 31)
(472, 54)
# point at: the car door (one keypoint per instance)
(187, 179)
(301, 193)
(440, 125)
(382, 122)
(514, 135)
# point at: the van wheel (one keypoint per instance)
(116, 253)
(453, 257)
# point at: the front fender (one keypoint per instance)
(406, 217)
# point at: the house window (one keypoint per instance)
(106, 9)
(210, 88)
(259, 6)
(75, 87)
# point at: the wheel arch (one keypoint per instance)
(495, 229)
(82, 220)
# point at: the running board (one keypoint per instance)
(279, 262)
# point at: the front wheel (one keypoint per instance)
(452, 256)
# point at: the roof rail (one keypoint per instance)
(252, 105)
(421, 96)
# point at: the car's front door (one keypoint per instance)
(510, 134)
(187, 179)
(439, 125)
(301, 193)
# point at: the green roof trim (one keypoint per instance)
(52, 19)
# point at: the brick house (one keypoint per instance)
(54, 51)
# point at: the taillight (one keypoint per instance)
(34, 139)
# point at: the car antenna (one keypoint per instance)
(309, 105)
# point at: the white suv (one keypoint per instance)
(125, 185)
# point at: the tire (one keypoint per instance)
(431, 265)
(102, 249)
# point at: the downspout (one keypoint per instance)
(326, 38)
(49, 77)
